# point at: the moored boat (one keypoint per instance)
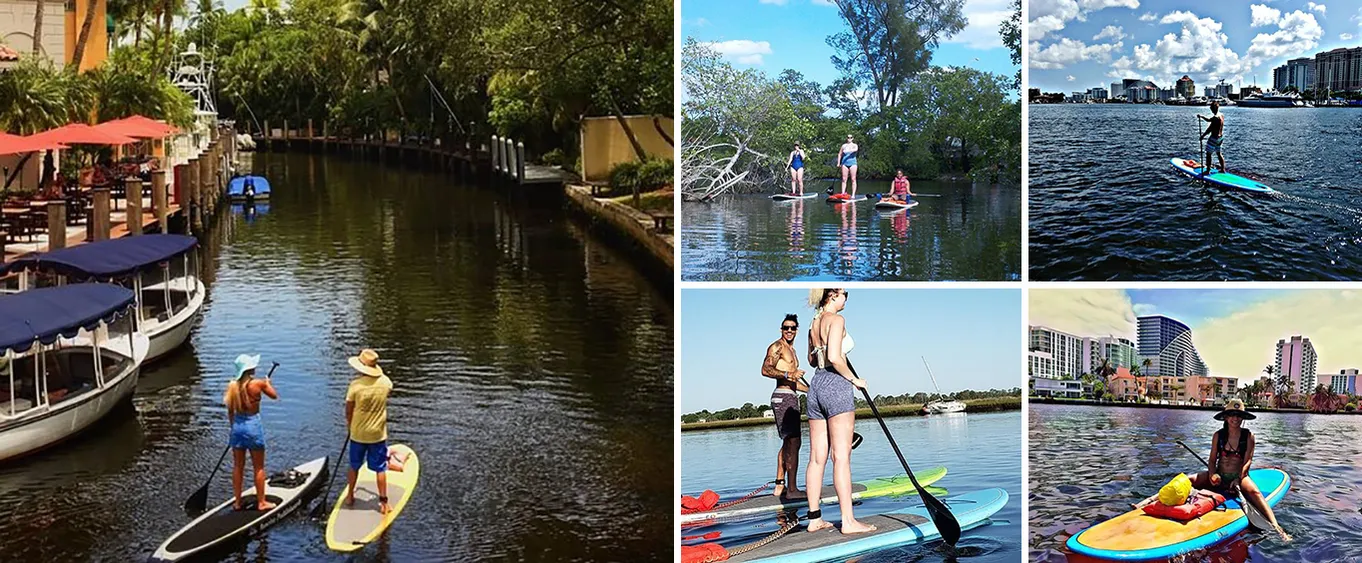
(248, 188)
(161, 270)
(68, 356)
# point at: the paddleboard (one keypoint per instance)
(1222, 179)
(352, 527)
(767, 503)
(910, 525)
(895, 204)
(1136, 536)
(788, 197)
(845, 198)
(222, 525)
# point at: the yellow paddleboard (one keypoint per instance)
(352, 527)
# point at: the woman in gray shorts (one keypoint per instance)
(832, 408)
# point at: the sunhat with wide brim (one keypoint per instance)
(245, 363)
(1234, 407)
(367, 363)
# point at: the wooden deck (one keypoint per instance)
(77, 234)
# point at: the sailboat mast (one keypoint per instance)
(929, 374)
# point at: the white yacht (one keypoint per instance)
(1272, 99)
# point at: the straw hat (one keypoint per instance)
(245, 363)
(367, 363)
(1234, 407)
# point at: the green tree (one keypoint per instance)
(887, 42)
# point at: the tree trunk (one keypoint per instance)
(84, 35)
(168, 15)
(38, 28)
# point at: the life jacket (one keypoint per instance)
(703, 553)
(1198, 503)
(706, 501)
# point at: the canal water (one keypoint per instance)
(965, 232)
(532, 372)
(1089, 464)
(979, 451)
(1106, 204)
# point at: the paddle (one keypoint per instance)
(1256, 519)
(321, 506)
(941, 515)
(197, 502)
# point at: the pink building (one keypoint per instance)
(1296, 360)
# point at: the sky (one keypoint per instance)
(971, 338)
(1235, 331)
(773, 35)
(1079, 44)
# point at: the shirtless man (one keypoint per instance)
(782, 365)
(1216, 132)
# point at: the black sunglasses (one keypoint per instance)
(787, 327)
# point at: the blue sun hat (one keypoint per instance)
(244, 363)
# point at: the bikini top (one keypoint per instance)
(822, 351)
(1243, 443)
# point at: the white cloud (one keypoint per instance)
(1048, 16)
(1241, 343)
(1145, 309)
(1299, 33)
(743, 51)
(1068, 51)
(1070, 78)
(824, 3)
(984, 18)
(1199, 47)
(701, 22)
(1316, 7)
(1083, 312)
(1114, 32)
(1263, 15)
(1345, 36)
(1149, 17)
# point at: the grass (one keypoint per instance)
(659, 200)
(991, 404)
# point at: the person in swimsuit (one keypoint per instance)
(796, 165)
(846, 157)
(1231, 455)
(1216, 132)
(782, 365)
(243, 412)
(901, 190)
(832, 408)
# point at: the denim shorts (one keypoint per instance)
(248, 433)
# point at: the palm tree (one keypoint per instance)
(38, 28)
(84, 36)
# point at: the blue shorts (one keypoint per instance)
(376, 454)
(247, 432)
(1213, 145)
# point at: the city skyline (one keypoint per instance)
(1077, 46)
(1235, 331)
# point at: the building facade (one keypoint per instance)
(16, 28)
(1185, 87)
(1042, 387)
(1099, 94)
(1296, 73)
(1054, 354)
(1339, 70)
(1296, 359)
(1345, 381)
(1167, 343)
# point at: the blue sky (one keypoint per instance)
(774, 35)
(1235, 330)
(971, 337)
(1080, 44)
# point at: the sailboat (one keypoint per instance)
(939, 406)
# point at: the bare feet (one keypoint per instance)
(818, 524)
(795, 494)
(263, 506)
(383, 508)
(779, 490)
(1285, 536)
(854, 527)
(350, 500)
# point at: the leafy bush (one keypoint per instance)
(624, 176)
(655, 173)
(1350, 407)
(554, 157)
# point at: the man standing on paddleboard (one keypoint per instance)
(366, 415)
(782, 365)
(1216, 131)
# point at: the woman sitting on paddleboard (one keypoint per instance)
(831, 408)
(901, 189)
(846, 157)
(796, 165)
(243, 412)
(1231, 455)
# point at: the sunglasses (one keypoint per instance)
(789, 328)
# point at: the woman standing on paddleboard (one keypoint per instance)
(243, 412)
(796, 165)
(831, 408)
(1231, 455)
(846, 157)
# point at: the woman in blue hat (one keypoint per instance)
(243, 411)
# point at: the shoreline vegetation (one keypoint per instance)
(1254, 409)
(989, 404)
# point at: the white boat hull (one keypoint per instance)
(44, 426)
(945, 407)
(167, 335)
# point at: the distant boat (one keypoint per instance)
(940, 406)
(1272, 99)
(248, 188)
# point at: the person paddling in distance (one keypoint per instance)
(832, 408)
(1216, 133)
(1231, 455)
(901, 190)
(846, 158)
(796, 165)
(366, 415)
(248, 433)
(782, 365)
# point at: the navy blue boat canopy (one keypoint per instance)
(46, 313)
(107, 259)
(237, 185)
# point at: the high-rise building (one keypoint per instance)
(1098, 93)
(1119, 352)
(1185, 87)
(1297, 361)
(1345, 381)
(1054, 354)
(1339, 70)
(1167, 343)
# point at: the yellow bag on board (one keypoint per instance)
(1176, 491)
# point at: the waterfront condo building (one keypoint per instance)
(1339, 70)
(1345, 381)
(1053, 354)
(1299, 73)
(1296, 359)
(1185, 87)
(1167, 343)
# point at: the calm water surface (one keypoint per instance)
(1105, 204)
(1089, 463)
(979, 451)
(969, 232)
(532, 369)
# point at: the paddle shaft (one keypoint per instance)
(321, 507)
(199, 499)
(1255, 518)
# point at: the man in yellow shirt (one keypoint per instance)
(366, 415)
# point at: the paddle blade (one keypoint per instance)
(1256, 519)
(197, 502)
(941, 516)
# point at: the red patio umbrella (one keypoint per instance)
(143, 123)
(82, 134)
(16, 144)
